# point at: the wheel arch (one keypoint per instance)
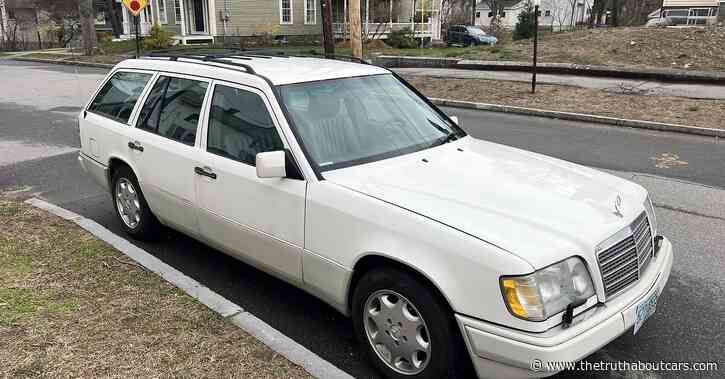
(371, 261)
(114, 162)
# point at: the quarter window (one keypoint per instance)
(172, 109)
(120, 94)
(240, 125)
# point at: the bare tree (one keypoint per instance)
(3, 20)
(63, 15)
(87, 16)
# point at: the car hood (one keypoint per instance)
(539, 208)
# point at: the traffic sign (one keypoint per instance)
(135, 6)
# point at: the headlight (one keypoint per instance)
(548, 291)
(650, 209)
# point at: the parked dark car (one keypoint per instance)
(469, 36)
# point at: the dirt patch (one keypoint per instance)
(680, 48)
(71, 306)
(675, 110)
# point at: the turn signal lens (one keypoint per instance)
(548, 291)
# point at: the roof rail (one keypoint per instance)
(213, 58)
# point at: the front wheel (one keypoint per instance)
(406, 329)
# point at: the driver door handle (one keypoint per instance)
(135, 145)
(205, 171)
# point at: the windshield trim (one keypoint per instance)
(460, 133)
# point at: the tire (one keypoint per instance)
(144, 226)
(445, 357)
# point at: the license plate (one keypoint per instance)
(645, 309)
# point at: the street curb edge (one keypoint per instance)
(638, 124)
(65, 63)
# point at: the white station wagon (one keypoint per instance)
(449, 253)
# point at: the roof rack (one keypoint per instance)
(213, 58)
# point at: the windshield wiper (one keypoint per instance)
(450, 137)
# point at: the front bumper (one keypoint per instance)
(497, 351)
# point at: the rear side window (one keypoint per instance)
(120, 94)
(173, 108)
(240, 125)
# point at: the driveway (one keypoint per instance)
(684, 173)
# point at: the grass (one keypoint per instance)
(675, 110)
(71, 306)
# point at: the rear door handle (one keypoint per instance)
(135, 145)
(205, 171)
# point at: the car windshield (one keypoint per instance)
(476, 31)
(344, 122)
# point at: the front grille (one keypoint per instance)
(624, 262)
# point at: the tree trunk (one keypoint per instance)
(355, 28)
(116, 27)
(87, 16)
(3, 21)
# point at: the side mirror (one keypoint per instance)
(454, 119)
(271, 164)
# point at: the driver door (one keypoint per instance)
(257, 220)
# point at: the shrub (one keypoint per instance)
(402, 39)
(526, 24)
(158, 39)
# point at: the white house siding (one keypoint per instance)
(559, 13)
(690, 3)
(254, 17)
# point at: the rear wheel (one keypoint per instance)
(405, 328)
(131, 207)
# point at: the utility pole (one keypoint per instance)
(355, 29)
(328, 37)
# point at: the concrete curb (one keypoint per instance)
(271, 337)
(639, 124)
(66, 63)
(665, 75)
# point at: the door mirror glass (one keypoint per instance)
(455, 120)
(271, 164)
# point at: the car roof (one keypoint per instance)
(278, 70)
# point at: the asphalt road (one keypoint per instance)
(39, 138)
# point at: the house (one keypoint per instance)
(692, 12)
(201, 21)
(380, 17)
(558, 14)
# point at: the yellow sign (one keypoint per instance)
(135, 6)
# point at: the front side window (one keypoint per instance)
(119, 96)
(310, 11)
(173, 108)
(240, 125)
(350, 121)
(285, 11)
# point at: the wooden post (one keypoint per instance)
(536, 38)
(355, 29)
(327, 35)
